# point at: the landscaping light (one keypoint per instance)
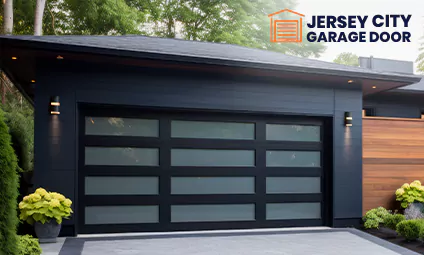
(348, 119)
(54, 105)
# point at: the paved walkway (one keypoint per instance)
(261, 242)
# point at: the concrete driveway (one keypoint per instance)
(317, 241)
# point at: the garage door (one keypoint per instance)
(146, 170)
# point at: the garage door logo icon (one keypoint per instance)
(286, 30)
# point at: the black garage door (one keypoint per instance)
(146, 170)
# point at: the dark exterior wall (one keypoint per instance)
(396, 104)
(56, 136)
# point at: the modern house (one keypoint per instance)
(152, 134)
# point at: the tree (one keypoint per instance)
(38, 17)
(420, 59)
(8, 16)
(347, 58)
(8, 192)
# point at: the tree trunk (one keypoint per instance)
(8, 16)
(38, 21)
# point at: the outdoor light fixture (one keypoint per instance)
(348, 119)
(54, 105)
(374, 87)
(33, 81)
(350, 81)
(59, 57)
(14, 58)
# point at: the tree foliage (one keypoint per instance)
(420, 59)
(347, 58)
(8, 192)
(242, 22)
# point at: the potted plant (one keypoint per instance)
(45, 210)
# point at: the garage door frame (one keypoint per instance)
(165, 143)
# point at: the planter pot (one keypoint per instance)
(48, 232)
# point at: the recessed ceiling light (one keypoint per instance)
(14, 58)
(350, 81)
(32, 81)
(374, 87)
(59, 57)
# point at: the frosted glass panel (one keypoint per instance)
(293, 159)
(117, 156)
(115, 185)
(121, 126)
(121, 214)
(299, 133)
(212, 130)
(276, 185)
(201, 157)
(213, 185)
(196, 213)
(293, 211)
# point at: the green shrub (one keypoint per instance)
(28, 245)
(392, 220)
(8, 192)
(374, 217)
(410, 193)
(21, 130)
(410, 229)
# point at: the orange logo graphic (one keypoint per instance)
(285, 30)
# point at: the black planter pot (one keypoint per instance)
(48, 232)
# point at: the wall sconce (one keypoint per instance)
(348, 119)
(54, 105)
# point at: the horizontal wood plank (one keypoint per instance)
(393, 153)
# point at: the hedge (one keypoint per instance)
(8, 192)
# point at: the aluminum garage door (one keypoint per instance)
(146, 170)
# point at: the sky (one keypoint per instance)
(399, 51)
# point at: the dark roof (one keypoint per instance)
(419, 86)
(204, 52)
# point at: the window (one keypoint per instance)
(368, 112)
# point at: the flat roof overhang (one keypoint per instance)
(23, 70)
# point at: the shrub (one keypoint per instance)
(374, 217)
(21, 130)
(43, 206)
(410, 229)
(28, 245)
(410, 193)
(8, 191)
(392, 220)
(414, 211)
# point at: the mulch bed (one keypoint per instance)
(416, 246)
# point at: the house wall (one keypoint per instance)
(396, 104)
(56, 140)
(393, 154)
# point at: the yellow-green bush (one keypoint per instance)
(410, 229)
(409, 193)
(392, 220)
(374, 217)
(43, 206)
(28, 245)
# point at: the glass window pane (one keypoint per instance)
(117, 185)
(121, 126)
(278, 132)
(276, 185)
(213, 185)
(121, 214)
(293, 211)
(196, 213)
(202, 157)
(212, 130)
(117, 156)
(293, 159)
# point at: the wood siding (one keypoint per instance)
(393, 153)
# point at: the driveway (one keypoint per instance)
(317, 241)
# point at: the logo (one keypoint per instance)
(285, 30)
